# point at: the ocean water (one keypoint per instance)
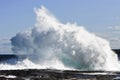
(52, 44)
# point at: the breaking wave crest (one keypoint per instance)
(52, 44)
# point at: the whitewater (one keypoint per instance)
(54, 45)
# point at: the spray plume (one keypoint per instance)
(54, 44)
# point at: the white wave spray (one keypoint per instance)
(55, 45)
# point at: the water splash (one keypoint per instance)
(52, 43)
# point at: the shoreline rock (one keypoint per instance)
(53, 74)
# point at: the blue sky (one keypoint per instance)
(101, 17)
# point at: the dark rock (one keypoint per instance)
(117, 51)
(51, 74)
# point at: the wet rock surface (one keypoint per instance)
(117, 51)
(51, 74)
